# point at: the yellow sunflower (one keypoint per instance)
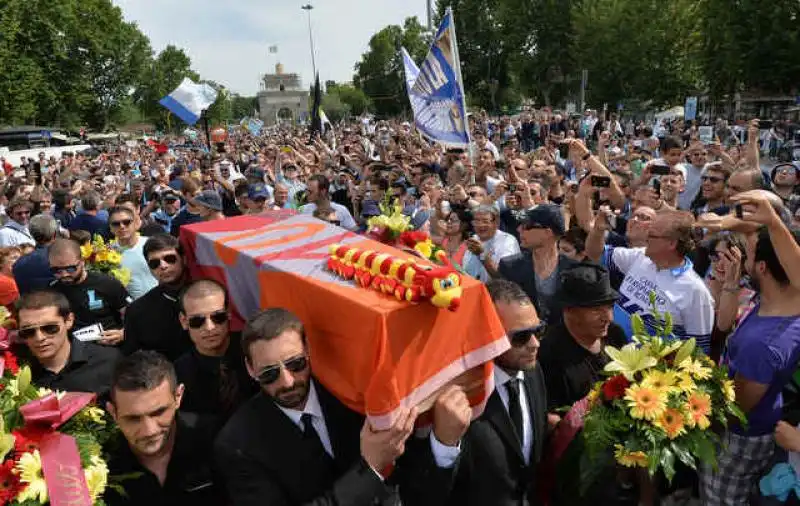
(30, 471)
(685, 382)
(659, 380)
(629, 459)
(728, 391)
(695, 368)
(671, 422)
(698, 406)
(645, 402)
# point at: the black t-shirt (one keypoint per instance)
(570, 370)
(99, 299)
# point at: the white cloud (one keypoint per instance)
(228, 41)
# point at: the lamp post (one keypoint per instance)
(308, 8)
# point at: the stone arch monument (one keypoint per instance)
(282, 99)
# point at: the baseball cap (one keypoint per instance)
(257, 191)
(545, 216)
(209, 199)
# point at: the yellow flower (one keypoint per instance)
(685, 382)
(658, 380)
(29, 469)
(96, 477)
(95, 414)
(695, 368)
(113, 257)
(424, 248)
(101, 256)
(86, 251)
(699, 408)
(646, 403)
(728, 391)
(671, 421)
(594, 394)
(629, 459)
(628, 360)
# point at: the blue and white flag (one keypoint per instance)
(437, 95)
(254, 126)
(189, 100)
(411, 73)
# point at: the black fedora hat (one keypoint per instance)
(586, 285)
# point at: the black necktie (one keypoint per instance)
(311, 435)
(514, 406)
(228, 387)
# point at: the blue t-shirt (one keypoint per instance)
(765, 349)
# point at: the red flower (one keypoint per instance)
(615, 387)
(27, 438)
(11, 362)
(10, 486)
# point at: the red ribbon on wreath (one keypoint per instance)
(61, 462)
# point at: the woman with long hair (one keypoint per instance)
(458, 228)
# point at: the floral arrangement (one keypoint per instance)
(44, 434)
(659, 402)
(388, 226)
(103, 257)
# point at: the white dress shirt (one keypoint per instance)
(445, 456)
(500, 379)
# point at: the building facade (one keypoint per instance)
(282, 99)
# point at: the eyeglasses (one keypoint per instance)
(155, 263)
(217, 317)
(713, 179)
(270, 374)
(49, 329)
(521, 337)
(120, 223)
(69, 269)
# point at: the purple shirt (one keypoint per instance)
(765, 349)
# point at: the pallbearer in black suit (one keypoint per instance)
(296, 444)
(502, 448)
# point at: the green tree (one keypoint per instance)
(355, 99)
(380, 73)
(242, 107)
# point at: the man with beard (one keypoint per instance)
(762, 354)
(295, 443)
(503, 447)
(93, 296)
(160, 305)
(213, 370)
(167, 456)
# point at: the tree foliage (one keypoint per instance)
(380, 75)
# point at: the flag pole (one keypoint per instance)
(204, 115)
(457, 61)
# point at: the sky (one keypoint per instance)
(228, 40)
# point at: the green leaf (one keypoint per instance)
(667, 324)
(637, 324)
(706, 451)
(668, 463)
(685, 351)
(684, 455)
(24, 378)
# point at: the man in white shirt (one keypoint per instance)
(15, 232)
(123, 224)
(662, 268)
(319, 194)
(489, 245)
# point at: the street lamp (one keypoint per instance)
(308, 8)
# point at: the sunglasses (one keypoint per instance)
(521, 337)
(338, 223)
(49, 329)
(120, 223)
(270, 374)
(713, 179)
(69, 269)
(155, 263)
(217, 317)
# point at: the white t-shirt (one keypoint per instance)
(497, 248)
(679, 291)
(142, 280)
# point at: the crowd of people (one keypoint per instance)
(573, 227)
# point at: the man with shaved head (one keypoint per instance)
(213, 371)
(94, 297)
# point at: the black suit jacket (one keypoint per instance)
(519, 268)
(491, 470)
(262, 457)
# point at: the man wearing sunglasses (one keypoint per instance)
(152, 321)
(15, 232)
(503, 447)
(94, 297)
(58, 362)
(125, 228)
(295, 443)
(213, 371)
(536, 269)
(166, 455)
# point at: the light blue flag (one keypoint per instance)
(411, 73)
(255, 126)
(437, 95)
(189, 100)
